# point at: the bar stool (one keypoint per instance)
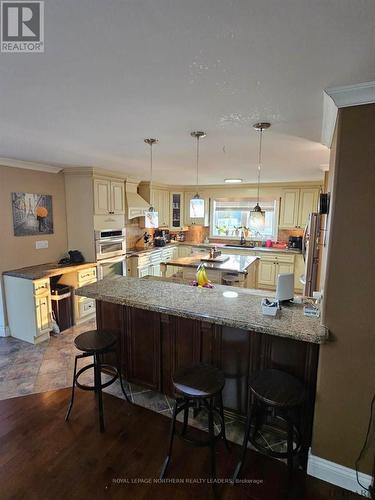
(198, 386)
(95, 343)
(281, 394)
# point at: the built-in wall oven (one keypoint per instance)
(110, 245)
(109, 268)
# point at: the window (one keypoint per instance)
(230, 217)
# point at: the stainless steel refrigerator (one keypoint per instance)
(311, 253)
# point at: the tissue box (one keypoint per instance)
(269, 310)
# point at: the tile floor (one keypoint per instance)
(27, 369)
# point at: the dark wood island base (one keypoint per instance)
(152, 345)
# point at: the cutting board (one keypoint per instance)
(220, 258)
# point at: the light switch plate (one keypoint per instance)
(41, 244)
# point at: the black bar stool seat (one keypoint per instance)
(279, 393)
(198, 381)
(96, 343)
(198, 386)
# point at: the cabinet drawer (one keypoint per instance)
(86, 307)
(277, 257)
(86, 275)
(41, 288)
(144, 260)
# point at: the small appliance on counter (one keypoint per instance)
(163, 233)
(159, 241)
(295, 242)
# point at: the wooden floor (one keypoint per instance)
(42, 457)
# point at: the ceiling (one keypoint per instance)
(116, 71)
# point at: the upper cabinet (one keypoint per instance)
(160, 200)
(176, 211)
(296, 205)
(308, 202)
(109, 197)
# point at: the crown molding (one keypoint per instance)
(335, 98)
(30, 165)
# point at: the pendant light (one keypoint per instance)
(151, 216)
(196, 203)
(257, 215)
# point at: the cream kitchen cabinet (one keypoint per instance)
(176, 211)
(289, 208)
(296, 205)
(28, 308)
(109, 197)
(271, 266)
(160, 200)
(308, 202)
(83, 307)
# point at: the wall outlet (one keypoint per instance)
(41, 244)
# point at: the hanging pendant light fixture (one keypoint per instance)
(151, 216)
(257, 215)
(196, 203)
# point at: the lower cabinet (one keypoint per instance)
(152, 346)
(271, 266)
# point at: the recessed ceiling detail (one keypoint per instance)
(109, 76)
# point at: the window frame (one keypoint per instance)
(239, 199)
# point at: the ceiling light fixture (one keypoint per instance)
(257, 215)
(196, 203)
(233, 181)
(151, 215)
(150, 141)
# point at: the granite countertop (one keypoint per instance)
(234, 264)
(243, 311)
(47, 270)
(221, 246)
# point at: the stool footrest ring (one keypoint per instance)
(86, 387)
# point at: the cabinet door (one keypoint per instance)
(43, 313)
(142, 330)
(166, 208)
(176, 211)
(289, 208)
(308, 202)
(154, 270)
(266, 273)
(143, 271)
(160, 202)
(102, 196)
(117, 198)
(284, 267)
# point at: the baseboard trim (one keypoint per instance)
(4, 331)
(338, 474)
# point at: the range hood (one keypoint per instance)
(136, 205)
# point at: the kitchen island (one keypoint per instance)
(244, 269)
(162, 326)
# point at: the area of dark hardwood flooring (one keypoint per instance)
(43, 457)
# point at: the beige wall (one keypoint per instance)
(346, 378)
(19, 251)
